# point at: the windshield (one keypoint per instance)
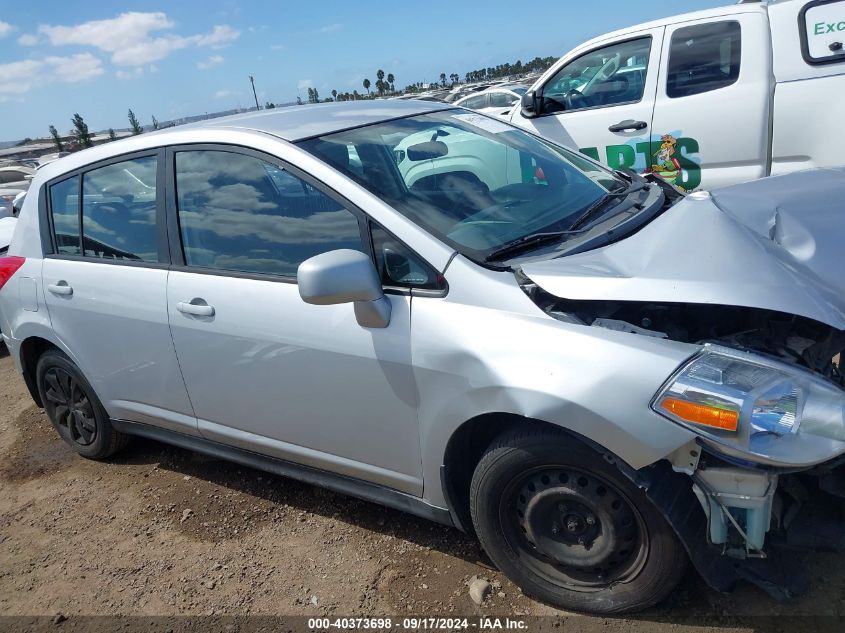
(474, 182)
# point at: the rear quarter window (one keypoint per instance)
(64, 209)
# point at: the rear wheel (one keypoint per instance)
(74, 409)
(569, 528)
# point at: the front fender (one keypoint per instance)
(471, 360)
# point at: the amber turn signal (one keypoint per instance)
(724, 419)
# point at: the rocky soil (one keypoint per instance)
(161, 531)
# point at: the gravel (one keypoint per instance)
(161, 531)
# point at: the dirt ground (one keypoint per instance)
(161, 531)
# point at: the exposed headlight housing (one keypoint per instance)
(756, 408)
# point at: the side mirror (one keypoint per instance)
(345, 276)
(530, 103)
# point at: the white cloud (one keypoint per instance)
(222, 94)
(130, 39)
(5, 28)
(27, 39)
(129, 74)
(220, 36)
(304, 84)
(331, 28)
(214, 60)
(20, 77)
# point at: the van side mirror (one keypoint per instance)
(530, 103)
(345, 276)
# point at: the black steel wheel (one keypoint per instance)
(573, 527)
(74, 409)
(569, 528)
(69, 407)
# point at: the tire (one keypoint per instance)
(74, 409)
(569, 528)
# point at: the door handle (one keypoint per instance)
(60, 288)
(628, 124)
(195, 308)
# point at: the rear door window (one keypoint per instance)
(119, 211)
(702, 58)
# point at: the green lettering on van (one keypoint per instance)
(673, 159)
(818, 29)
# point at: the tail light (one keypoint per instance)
(8, 267)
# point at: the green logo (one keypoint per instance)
(669, 157)
(821, 28)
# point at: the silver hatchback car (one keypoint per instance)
(428, 308)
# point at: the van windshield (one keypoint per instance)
(472, 181)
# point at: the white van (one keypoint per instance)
(704, 99)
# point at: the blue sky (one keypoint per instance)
(171, 59)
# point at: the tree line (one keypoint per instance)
(83, 138)
(385, 82)
(384, 85)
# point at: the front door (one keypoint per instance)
(264, 370)
(601, 101)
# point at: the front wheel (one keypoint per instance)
(569, 528)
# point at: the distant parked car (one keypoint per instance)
(8, 195)
(493, 101)
(46, 159)
(16, 177)
(7, 227)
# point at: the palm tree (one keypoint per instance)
(390, 79)
(334, 95)
(367, 86)
(443, 79)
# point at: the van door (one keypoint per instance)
(712, 110)
(601, 101)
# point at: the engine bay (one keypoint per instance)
(795, 339)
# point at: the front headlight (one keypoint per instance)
(756, 408)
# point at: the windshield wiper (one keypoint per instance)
(595, 209)
(525, 242)
(536, 239)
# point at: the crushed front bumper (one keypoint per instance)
(794, 512)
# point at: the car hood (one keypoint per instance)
(7, 228)
(776, 243)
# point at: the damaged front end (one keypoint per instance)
(765, 476)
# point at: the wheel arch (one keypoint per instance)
(471, 439)
(30, 350)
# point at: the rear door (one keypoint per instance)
(601, 100)
(105, 283)
(713, 104)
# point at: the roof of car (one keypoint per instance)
(295, 123)
(292, 123)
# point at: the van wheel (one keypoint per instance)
(569, 528)
(74, 409)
